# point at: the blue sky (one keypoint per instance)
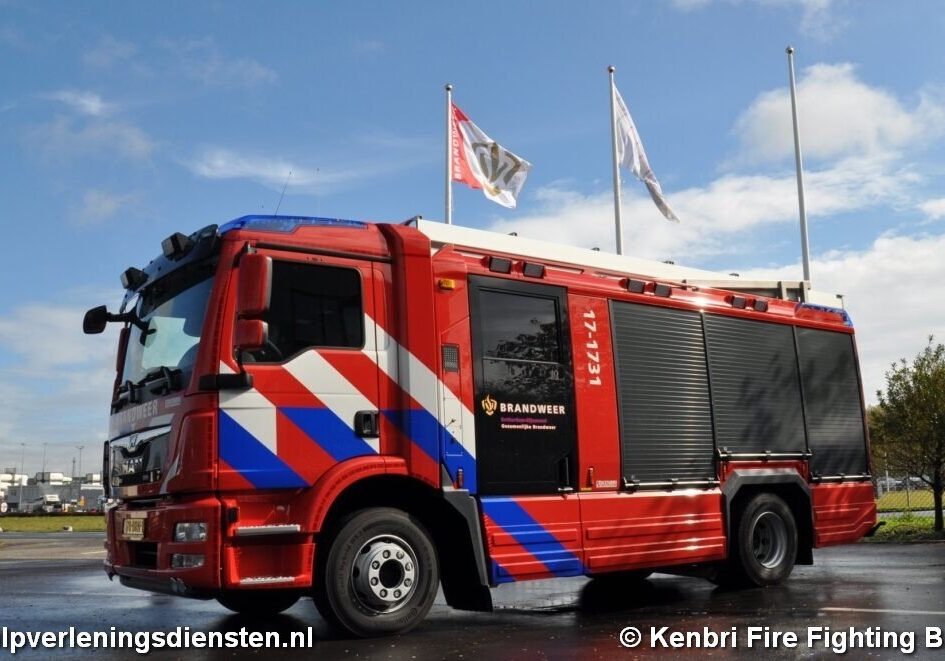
(121, 123)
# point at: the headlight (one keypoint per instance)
(186, 560)
(190, 532)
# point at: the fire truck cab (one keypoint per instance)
(361, 412)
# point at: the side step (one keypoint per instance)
(257, 531)
(266, 580)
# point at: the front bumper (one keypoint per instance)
(144, 560)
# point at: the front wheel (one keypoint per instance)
(380, 575)
(764, 545)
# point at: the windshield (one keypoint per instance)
(174, 319)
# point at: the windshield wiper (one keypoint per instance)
(159, 381)
(162, 380)
(127, 393)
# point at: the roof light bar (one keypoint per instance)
(286, 224)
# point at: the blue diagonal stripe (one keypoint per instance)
(329, 431)
(252, 459)
(532, 536)
(419, 426)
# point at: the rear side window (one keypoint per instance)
(312, 306)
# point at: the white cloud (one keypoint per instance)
(108, 52)
(713, 216)
(55, 383)
(218, 163)
(934, 208)
(891, 290)
(839, 115)
(66, 138)
(49, 336)
(273, 172)
(201, 59)
(98, 206)
(85, 103)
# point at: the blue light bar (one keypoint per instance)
(847, 320)
(286, 224)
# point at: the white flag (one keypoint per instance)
(631, 155)
(480, 162)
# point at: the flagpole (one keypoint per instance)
(798, 160)
(616, 164)
(449, 154)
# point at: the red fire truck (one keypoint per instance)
(361, 412)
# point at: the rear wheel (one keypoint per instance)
(764, 546)
(380, 574)
(258, 603)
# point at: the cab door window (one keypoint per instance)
(311, 306)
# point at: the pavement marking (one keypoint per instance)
(93, 552)
(880, 610)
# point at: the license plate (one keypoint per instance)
(133, 528)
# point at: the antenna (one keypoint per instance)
(284, 186)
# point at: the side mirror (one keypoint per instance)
(95, 320)
(250, 335)
(254, 286)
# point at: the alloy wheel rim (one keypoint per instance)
(384, 574)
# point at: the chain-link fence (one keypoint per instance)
(898, 496)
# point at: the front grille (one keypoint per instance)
(144, 554)
(143, 504)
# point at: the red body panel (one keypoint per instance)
(843, 513)
(595, 394)
(531, 537)
(651, 529)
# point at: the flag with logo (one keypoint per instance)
(630, 154)
(480, 162)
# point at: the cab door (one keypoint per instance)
(315, 390)
(525, 440)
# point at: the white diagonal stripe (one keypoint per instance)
(424, 386)
(253, 412)
(331, 387)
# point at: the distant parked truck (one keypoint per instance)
(46, 504)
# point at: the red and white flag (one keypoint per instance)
(480, 162)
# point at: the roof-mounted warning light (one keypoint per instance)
(133, 278)
(176, 245)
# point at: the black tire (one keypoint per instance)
(258, 603)
(763, 545)
(379, 574)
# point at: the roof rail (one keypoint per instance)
(486, 242)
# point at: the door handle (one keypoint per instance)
(367, 424)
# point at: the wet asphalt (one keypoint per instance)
(51, 582)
